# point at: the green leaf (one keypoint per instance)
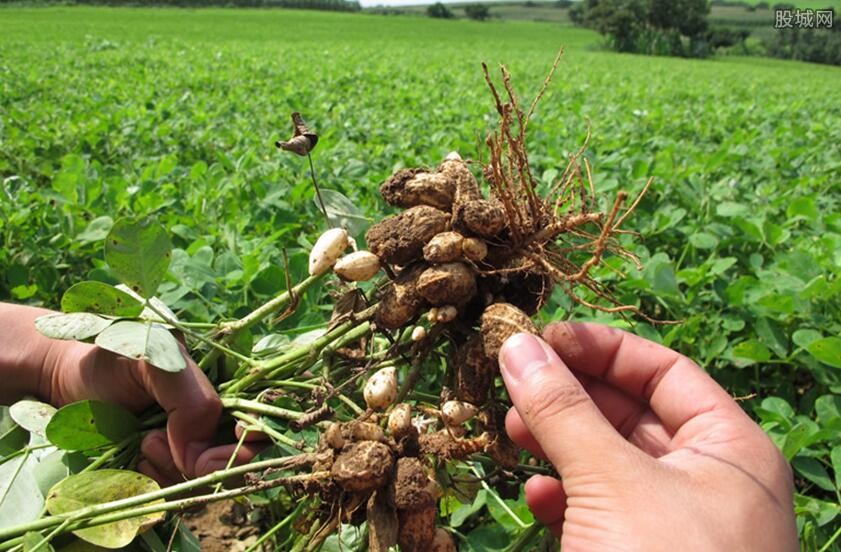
(24, 292)
(464, 511)
(20, 499)
(33, 416)
(502, 517)
(812, 470)
(827, 350)
(96, 487)
(33, 539)
(100, 298)
(56, 466)
(796, 439)
(12, 436)
(147, 341)
(828, 410)
(87, 425)
(342, 212)
(730, 209)
(703, 240)
(803, 337)
(835, 457)
(97, 230)
(75, 325)
(751, 351)
(139, 251)
(488, 538)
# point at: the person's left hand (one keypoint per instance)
(75, 371)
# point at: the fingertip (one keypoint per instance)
(546, 498)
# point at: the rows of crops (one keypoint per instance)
(106, 112)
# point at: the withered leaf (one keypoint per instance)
(303, 139)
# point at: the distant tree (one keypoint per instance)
(762, 5)
(563, 4)
(479, 12)
(667, 27)
(439, 11)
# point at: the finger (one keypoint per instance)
(556, 409)
(192, 407)
(217, 458)
(547, 500)
(155, 449)
(641, 428)
(145, 467)
(676, 388)
(520, 434)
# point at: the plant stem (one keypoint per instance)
(303, 385)
(263, 428)
(73, 523)
(195, 335)
(274, 367)
(107, 507)
(231, 329)
(283, 523)
(260, 408)
(496, 497)
(523, 540)
(317, 190)
(832, 539)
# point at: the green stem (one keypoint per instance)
(109, 454)
(257, 425)
(195, 335)
(231, 329)
(73, 523)
(283, 523)
(832, 539)
(272, 368)
(525, 537)
(496, 497)
(303, 385)
(260, 408)
(108, 507)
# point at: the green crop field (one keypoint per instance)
(174, 112)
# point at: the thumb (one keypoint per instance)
(557, 410)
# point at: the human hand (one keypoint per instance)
(75, 371)
(652, 453)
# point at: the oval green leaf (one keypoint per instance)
(827, 350)
(20, 499)
(32, 541)
(75, 325)
(147, 341)
(100, 298)
(139, 251)
(12, 436)
(87, 425)
(32, 415)
(97, 487)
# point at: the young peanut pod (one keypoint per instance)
(358, 266)
(327, 250)
(381, 389)
(456, 413)
(400, 420)
(418, 333)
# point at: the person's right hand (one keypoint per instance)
(652, 453)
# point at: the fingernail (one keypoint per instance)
(521, 355)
